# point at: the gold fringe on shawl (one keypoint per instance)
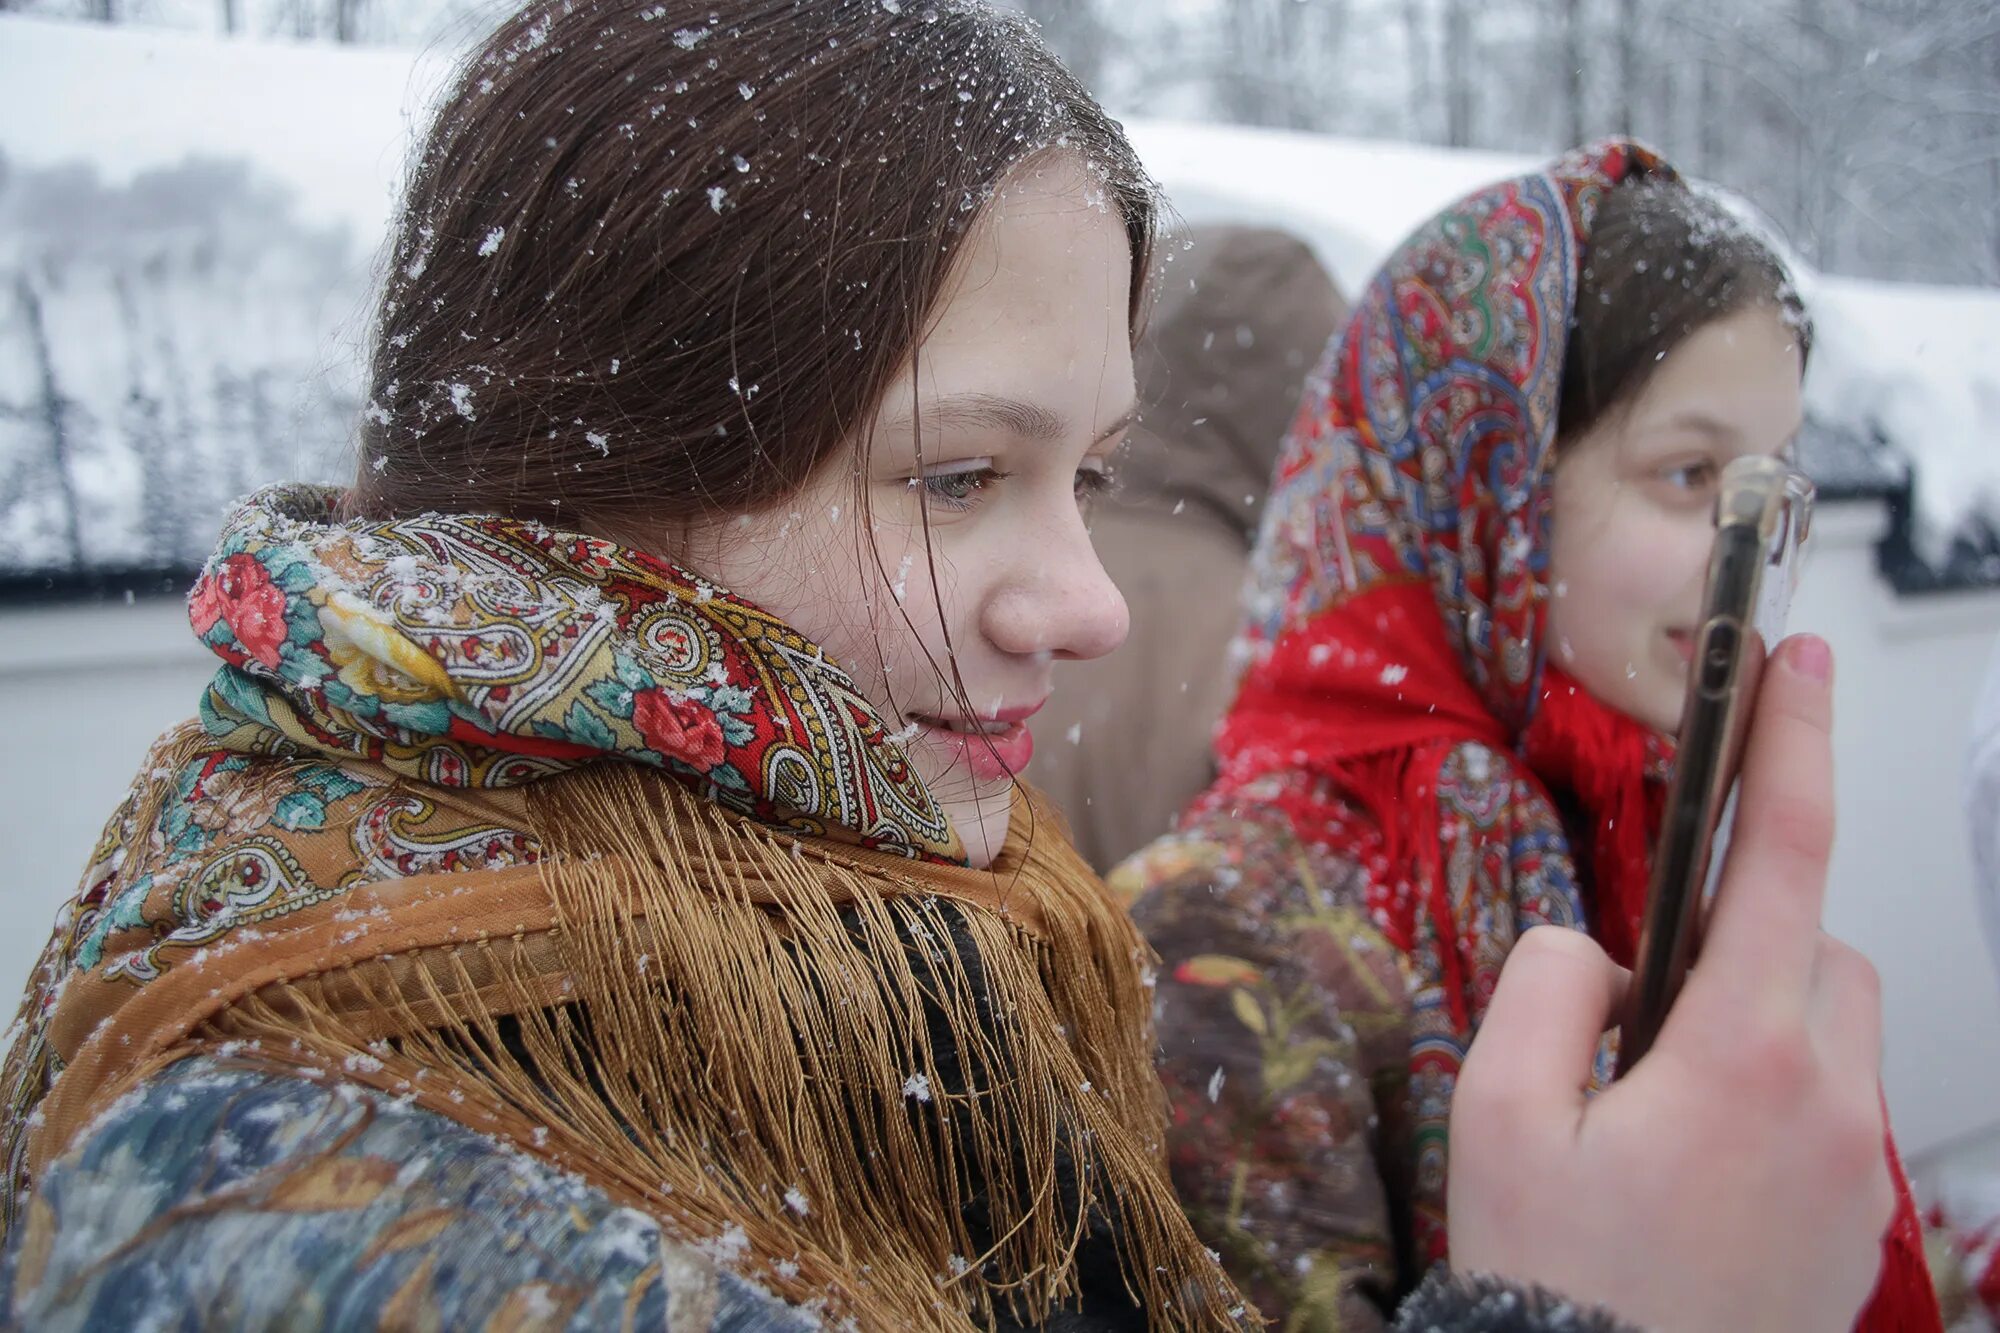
(733, 1030)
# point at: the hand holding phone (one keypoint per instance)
(1737, 1180)
(1763, 514)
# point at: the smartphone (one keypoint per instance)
(1763, 515)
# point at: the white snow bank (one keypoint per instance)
(1352, 200)
(334, 125)
(1921, 366)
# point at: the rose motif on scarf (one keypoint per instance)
(679, 726)
(482, 651)
(239, 592)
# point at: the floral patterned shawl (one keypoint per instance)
(584, 854)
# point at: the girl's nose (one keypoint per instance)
(1056, 598)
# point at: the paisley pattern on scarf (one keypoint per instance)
(488, 652)
(389, 689)
(1420, 453)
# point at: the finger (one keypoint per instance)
(1557, 994)
(1764, 935)
(1845, 1014)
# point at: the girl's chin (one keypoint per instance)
(1661, 712)
(1654, 702)
(1668, 699)
(981, 824)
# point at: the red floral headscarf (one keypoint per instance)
(1397, 611)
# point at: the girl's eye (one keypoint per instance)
(1692, 477)
(957, 489)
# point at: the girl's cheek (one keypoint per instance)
(907, 598)
(1651, 557)
(1684, 547)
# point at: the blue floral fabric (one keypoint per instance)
(222, 1197)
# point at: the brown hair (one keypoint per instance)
(1662, 263)
(658, 260)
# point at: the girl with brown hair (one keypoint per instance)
(620, 770)
(594, 893)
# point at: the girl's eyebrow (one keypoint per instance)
(1696, 420)
(1016, 416)
(1722, 433)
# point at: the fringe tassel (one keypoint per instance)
(796, 1061)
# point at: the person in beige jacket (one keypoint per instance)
(1125, 739)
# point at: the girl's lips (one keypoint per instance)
(1683, 642)
(994, 748)
(991, 755)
